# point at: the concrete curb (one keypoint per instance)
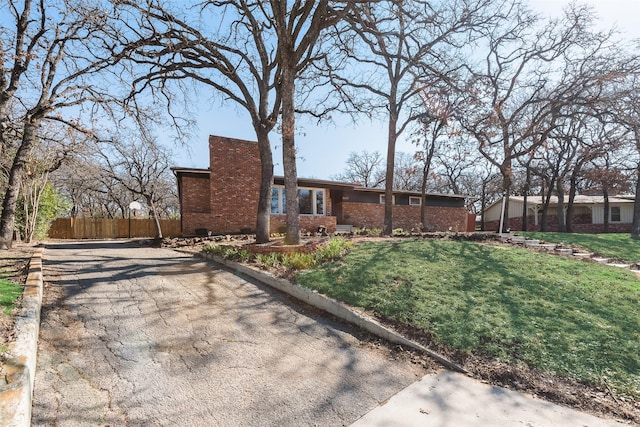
(16, 387)
(333, 307)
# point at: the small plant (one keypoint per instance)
(243, 255)
(299, 261)
(269, 260)
(228, 252)
(336, 248)
(400, 232)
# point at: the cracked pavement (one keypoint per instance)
(135, 335)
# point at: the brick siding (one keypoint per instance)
(196, 194)
(371, 215)
(227, 202)
(308, 223)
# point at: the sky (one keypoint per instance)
(323, 149)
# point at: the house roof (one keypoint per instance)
(410, 193)
(311, 182)
(179, 170)
(579, 199)
(338, 185)
(323, 183)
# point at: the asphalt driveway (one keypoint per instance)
(133, 335)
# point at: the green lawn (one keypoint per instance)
(9, 293)
(618, 246)
(568, 317)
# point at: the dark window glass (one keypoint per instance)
(615, 214)
(275, 209)
(319, 202)
(305, 202)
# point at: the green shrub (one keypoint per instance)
(269, 260)
(299, 261)
(336, 248)
(232, 253)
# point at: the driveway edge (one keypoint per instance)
(16, 392)
(333, 307)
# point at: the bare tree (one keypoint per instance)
(391, 43)
(55, 147)
(238, 60)
(142, 167)
(514, 97)
(407, 173)
(433, 132)
(49, 52)
(622, 106)
(253, 61)
(364, 168)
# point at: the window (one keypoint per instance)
(305, 201)
(319, 202)
(415, 201)
(275, 200)
(311, 201)
(615, 213)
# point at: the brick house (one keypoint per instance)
(588, 214)
(224, 198)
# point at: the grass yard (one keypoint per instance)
(610, 245)
(568, 317)
(9, 293)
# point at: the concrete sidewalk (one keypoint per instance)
(452, 399)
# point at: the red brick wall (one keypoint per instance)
(196, 194)
(371, 215)
(309, 223)
(235, 184)
(228, 201)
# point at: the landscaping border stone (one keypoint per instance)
(333, 307)
(16, 386)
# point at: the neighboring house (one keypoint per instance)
(224, 198)
(588, 214)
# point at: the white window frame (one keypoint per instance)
(415, 198)
(314, 199)
(381, 199)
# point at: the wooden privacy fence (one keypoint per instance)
(102, 228)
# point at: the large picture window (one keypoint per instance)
(311, 201)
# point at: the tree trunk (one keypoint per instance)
(484, 204)
(289, 151)
(388, 184)
(605, 195)
(10, 201)
(156, 220)
(572, 196)
(545, 208)
(635, 227)
(506, 189)
(560, 207)
(263, 226)
(525, 195)
(423, 198)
